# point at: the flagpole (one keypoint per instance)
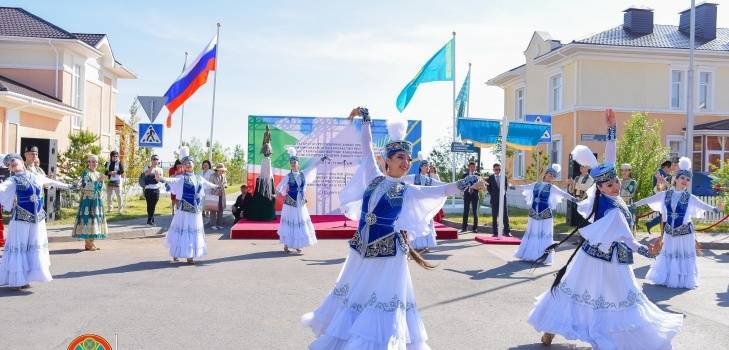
(468, 105)
(182, 116)
(453, 104)
(215, 82)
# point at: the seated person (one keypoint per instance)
(241, 203)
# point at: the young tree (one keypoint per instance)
(640, 146)
(237, 169)
(720, 180)
(72, 162)
(540, 162)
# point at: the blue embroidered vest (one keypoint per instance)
(421, 180)
(191, 199)
(674, 223)
(624, 253)
(29, 199)
(540, 209)
(294, 189)
(375, 235)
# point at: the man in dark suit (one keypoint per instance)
(494, 189)
(470, 201)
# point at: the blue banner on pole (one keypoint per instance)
(150, 135)
(541, 119)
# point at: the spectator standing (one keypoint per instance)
(114, 169)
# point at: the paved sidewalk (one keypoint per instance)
(138, 228)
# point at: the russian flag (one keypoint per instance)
(195, 76)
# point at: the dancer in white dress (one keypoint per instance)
(542, 198)
(423, 241)
(372, 305)
(296, 230)
(595, 297)
(186, 235)
(675, 266)
(25, 257)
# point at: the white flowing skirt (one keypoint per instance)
(538, 236)
(600, 302)
(425, 239)
(675, 266)
(372, 307)
(296, 229)
(25, 256)
(186, 236)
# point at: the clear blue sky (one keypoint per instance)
(321, 58)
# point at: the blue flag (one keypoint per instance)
(485, 132)
(462, 99)
(440, 67)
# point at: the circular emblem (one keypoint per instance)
(33, 198)
(89, 342)
(371, 219)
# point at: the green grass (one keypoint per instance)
(136, 207)
(517, 220)
(233, 188)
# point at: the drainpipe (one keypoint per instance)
(55, 49)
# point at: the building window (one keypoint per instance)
(519, 164)
(675, 146)
(76, 84)
(676, 89)
(555, 155)
(705, 90)
(717, 152)
(519, 104)
(698, 159)
(555, 93)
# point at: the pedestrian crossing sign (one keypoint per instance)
(150, 135)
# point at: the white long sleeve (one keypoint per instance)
(7, 194)
(350, 197)
(557, 195)
(613, 227)
(421, 203)
(655, 202)
(46, 181)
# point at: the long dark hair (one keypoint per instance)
(414, 255)
(560, 273)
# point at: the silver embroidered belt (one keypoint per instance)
(679, 231)
(187, 207)
(545, 214)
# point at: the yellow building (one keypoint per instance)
(637, 66)
(53, 82)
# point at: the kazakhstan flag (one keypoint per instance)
(440, 67)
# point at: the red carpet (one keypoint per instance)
(326, 226)
(488, 239)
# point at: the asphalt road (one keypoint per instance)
(249, 295)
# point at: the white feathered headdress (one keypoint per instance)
(184, 154)
(396, 130)
(554, 169)
(292, 154)
(584, 156)
(684, 167)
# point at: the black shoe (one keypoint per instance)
(474, 230)
(508, 234)
(463, 230)
(149, 222)
(648, 228)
